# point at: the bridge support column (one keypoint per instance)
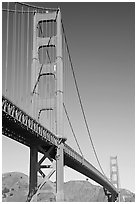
(36, 166)
(59, 128)
(39, 68)
(110, 197)
(33, 170)
(60, 173)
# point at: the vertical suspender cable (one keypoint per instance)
(44, 34)
(54, 80)
(55, 96)
(54, 71)
(30, 54)
(27, 66)
(14, 52)
(46, 78)
(41, 87)
(36, 75)
(49, 77)
(7, 43)
(64, 62)
(18, 58)
(38, 89)
(36, 101)
(52, 76)
(23, 90)
(52, 60)
(51, 53)
(33, 94)
(22, 58)
(64, 67)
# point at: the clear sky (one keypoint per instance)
(101, 43)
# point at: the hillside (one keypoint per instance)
(83, 191)
(127, 195)
(15, 189)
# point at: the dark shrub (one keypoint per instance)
(5, 190)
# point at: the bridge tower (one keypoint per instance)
(114, 173)
(114, 178)
(47, 96)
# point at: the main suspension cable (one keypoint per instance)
(80, 101)
(72, 129)
(37, 7)
(83, 112)
(17, 11)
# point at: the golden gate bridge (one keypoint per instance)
(35, 56)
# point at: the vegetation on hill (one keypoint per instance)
(15, 189)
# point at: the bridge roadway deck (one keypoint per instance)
(19, 126)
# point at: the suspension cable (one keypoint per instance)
(72, 129)
(76, 84)
(80, 101)
(37, 7)
(17, 11)
(25, 11)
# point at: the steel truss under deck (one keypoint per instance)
(19, 126)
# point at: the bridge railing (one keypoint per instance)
(19, 115)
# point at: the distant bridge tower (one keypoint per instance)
(114, 173)
(47, 95)
(114, 176)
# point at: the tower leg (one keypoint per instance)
(60, 174)
(110, 197)
(33, 171)
(59, 105)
